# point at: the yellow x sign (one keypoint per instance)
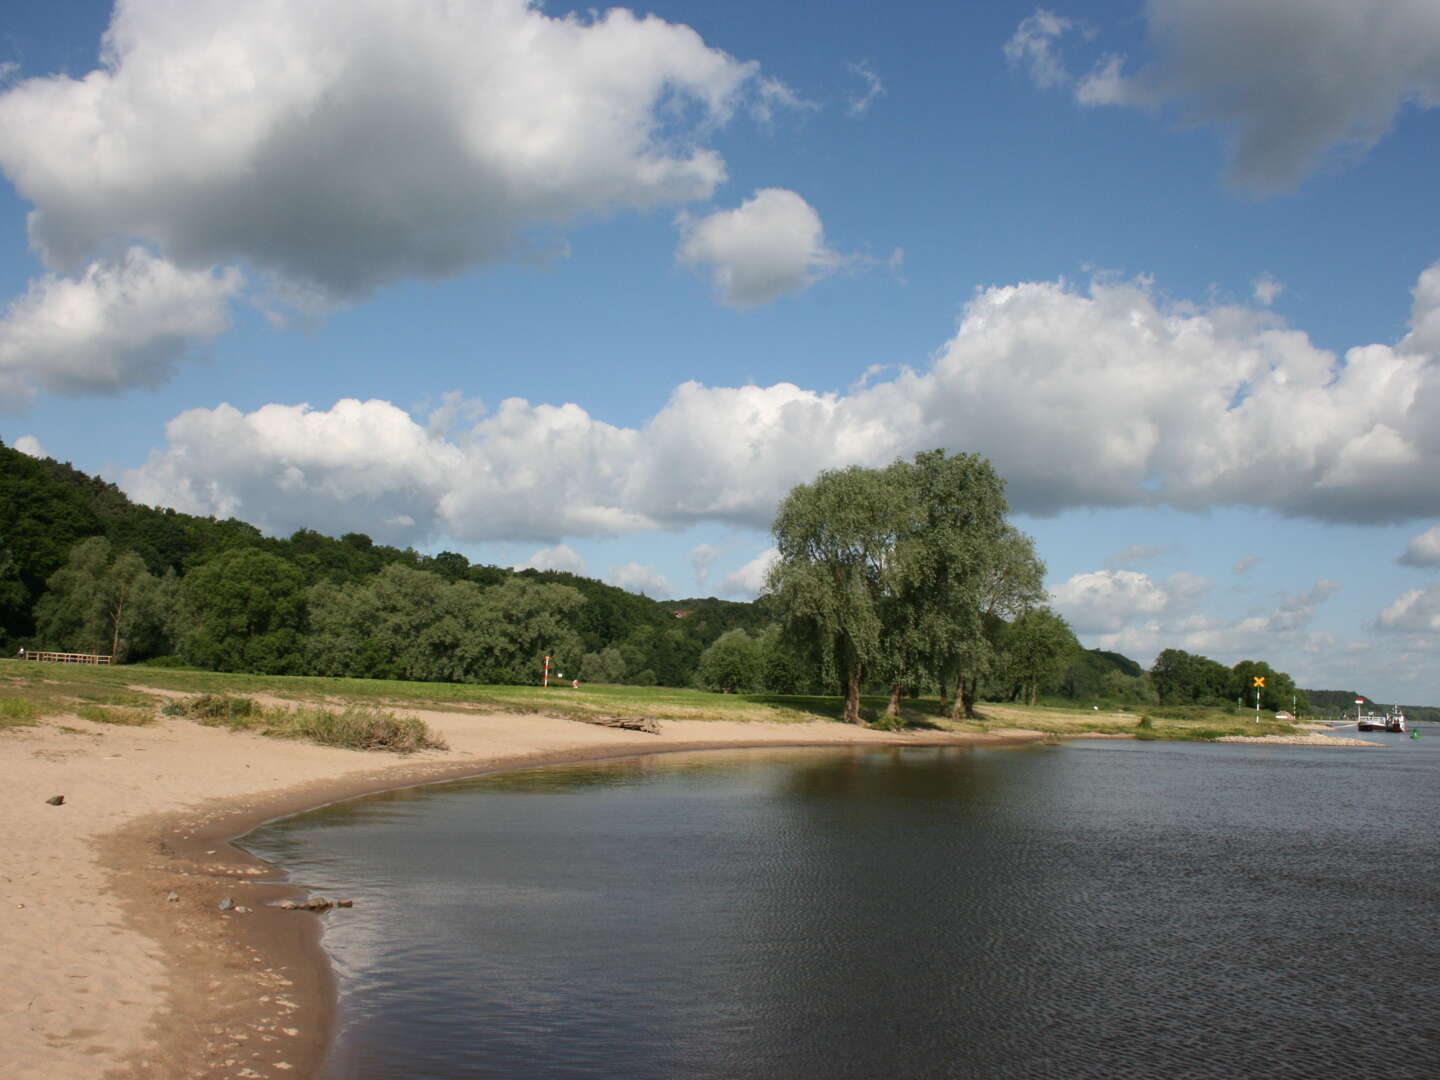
(1259, 680)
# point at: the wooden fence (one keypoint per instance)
(65, 657)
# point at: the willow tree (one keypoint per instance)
(960, 568)
(835, 540)
(893, 573)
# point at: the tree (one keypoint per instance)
(835, 539)
(734, 662)
(901, 573)
(104, 601)
(244, 610)
(1182, 679)
(605, 666)
(1010, 583)
(950, 546)
(1035, 647)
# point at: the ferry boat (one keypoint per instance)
(1394, 720)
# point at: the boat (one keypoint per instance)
(1394, 720)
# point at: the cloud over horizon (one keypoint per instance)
(1105, 397)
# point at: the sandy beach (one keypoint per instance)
(120, 961)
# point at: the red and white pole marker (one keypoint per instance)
(545, 678)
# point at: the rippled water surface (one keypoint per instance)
(1099, 909)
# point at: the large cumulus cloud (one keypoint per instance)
(341, 144)
(1097, 396)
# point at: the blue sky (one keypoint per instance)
(594, 290)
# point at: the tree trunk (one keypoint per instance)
(893, 709)
(957, 708)
(966, 696)
(944, 694)
(852, 699)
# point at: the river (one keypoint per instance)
(1102, 908)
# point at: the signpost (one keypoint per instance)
(1259, 682)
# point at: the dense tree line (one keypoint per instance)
(904, 580)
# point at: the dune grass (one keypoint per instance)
(356, 727)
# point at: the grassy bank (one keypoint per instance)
(128, 694)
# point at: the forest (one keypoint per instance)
(934, 603)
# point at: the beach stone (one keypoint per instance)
(172, 896)
(344, 903)
(289, 905)
(56, 800)
(226, 905)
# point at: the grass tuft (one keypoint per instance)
(127, 717)
(358, 727)
(18, 712)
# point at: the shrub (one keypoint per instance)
(362, 728)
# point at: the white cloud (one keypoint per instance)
(749, 580)
(641, 579)
(1287, 83)
(770, 246)
(1423, 550)
(1103, 397)
(29, 444)
(1129, 613)
(560, 557)
(1267, 290)
(337, 146)
(1032, 47)
(118, 324)
(859, 105)
(702, 557)
(1245, 563)
(1104, 601)
(1414, 612)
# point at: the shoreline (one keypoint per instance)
(111, 977)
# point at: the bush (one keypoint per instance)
(361, 728)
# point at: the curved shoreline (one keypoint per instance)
(122, 963)
(177, 987)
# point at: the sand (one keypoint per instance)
(119, 961)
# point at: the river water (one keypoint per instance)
(1096, 909)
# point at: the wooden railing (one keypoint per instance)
(65, 657)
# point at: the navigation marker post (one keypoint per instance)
(1259, 682)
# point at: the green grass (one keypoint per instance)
(18, 712)
(53, 689)
(127, 717)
